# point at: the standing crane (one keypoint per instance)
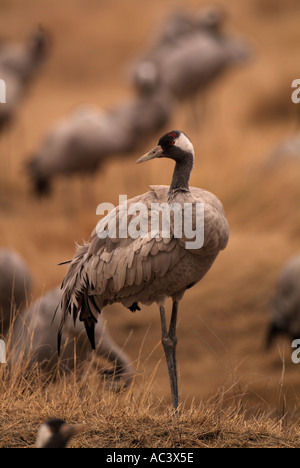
(153, 266)
(181, 24)
(192, 65)
(19, 64)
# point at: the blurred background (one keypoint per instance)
(242, 118)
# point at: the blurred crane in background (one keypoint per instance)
(19, 64)
(181, 24)
(15, 286)
(189, 55)
(286, 303)
(33, 339)
(90, 137)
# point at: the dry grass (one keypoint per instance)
(223, 320)
(132, 418)
(135, 417)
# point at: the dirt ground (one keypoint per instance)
(223, 320)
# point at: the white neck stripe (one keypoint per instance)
(184, 143)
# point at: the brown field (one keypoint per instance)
(234, 393)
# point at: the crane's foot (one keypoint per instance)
(134, 307)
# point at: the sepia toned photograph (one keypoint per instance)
(149, 226)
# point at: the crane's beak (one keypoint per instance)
(156, 152)
(69, 430)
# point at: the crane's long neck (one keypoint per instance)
(182, 172)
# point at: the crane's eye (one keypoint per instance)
(172, 142)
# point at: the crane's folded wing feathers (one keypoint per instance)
(107, 270)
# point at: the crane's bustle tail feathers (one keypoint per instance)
(64, 263)
(76, 299)
(90, 331)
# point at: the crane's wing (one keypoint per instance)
(107, 269)
(117, 267)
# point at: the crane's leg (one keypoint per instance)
(169, 342)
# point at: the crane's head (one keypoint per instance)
(55, 433)
(174, 145)
(210, 18)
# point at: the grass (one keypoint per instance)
(136, 416)
(132, 418)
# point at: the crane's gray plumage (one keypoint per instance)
(188, 53)
(33, 335)
(75, 144)
(56, 433)
(210, 18)
(286, 303)
(181, 24)
(18, 66)
(147, 269)
(89, 137)
(192, 64)
(15, 286)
